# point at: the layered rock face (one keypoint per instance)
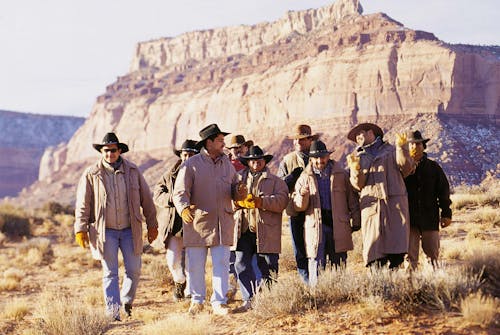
(330, 67)
(24, 139)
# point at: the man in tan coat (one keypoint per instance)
(259, 220)
(204, 189)
(108, 217)
(377, 172)
(331, 208)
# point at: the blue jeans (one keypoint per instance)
(119, 240)
(299, 249)
(267, 264)
(196, 261)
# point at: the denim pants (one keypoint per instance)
(196, 262)
(119, 240)
(267, 265)
(176, 260)
(299, 249)
(325, 248)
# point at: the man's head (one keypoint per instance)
(303, 137)
(365, 133)
(255, 159)
(319, 155)
(238, 146)
(417, 144)
(212, 138)
(110, 147)
(187, 150)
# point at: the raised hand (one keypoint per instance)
(353, 162)
(401, 139)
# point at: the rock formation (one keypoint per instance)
(331, 67)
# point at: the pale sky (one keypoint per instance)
(57, 56)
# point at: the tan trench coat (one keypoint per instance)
(91, 201)
(384, 202)
(274, 194)
(345, 209)
(210, 186)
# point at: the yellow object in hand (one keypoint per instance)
(401, 139)
(187, 214)
(353, 162)
(248, 202)
(82, 239)
(413, 152)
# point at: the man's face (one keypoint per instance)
(416, 150)
(364, 137)
(244, 150)
(302, 144)
(216, 147)
(110, 153)
(256, 165)
(186, 154)
(235, 152)
(319, 162)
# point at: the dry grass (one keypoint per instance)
(9, 284)
(480, 310)
(176, 324)
(36, 251)
(16, 310)
(487, 216)
(485, 261)
(61, 315)
(473, 196)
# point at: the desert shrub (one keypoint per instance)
(487, 216)
(478, 309)
(16, 310)
(485, 262)
(9, 284)
(156, 267)
(36, 251)
(466, 196)
(14, 273)
(58, 314)
(14, 222)
(177, 324)
(54, 208)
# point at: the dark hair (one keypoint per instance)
(211, 138)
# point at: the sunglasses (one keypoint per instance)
(110, 150)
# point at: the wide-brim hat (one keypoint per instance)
(364, 126)
(108, 139)
(416, 137)
(237, 141)
(318, 149)
(303, 131)
(205, 133)
(255, 152)
(188, 145)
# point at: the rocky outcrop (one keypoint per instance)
(23, 141)
(331, 67)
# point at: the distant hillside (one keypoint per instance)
(24, 138)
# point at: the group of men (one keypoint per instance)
(232, 204)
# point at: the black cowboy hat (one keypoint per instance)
(365, 126)
(110, 138)
(255, 152)
(318, 149)
(205, 133)
(188, 145)
(416, 137)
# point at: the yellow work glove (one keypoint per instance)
(152, 234)
(445, 222)
(413, 152)
(353, 162)
(82, 239)
(187, 214)
(401, 140)
(248, 202)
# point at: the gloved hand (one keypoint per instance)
(296, 172)
(445, 222)
(82, 239)
(413, 152)
(152, 234)
(187, 214)
(401, 140)
(248, 202)
(257, 202)
(353, 162)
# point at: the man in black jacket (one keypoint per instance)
(428, 191)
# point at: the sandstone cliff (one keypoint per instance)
(331, 67)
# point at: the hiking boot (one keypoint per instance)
(221, 309)
(195, 308)
(128, 309)
(179, 291)
(245, 306)
(233, 287)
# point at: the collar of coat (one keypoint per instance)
(246, 172)
(335, 168)
(98, 167)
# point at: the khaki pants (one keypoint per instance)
(430, 245)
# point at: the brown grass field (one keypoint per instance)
(49, 285)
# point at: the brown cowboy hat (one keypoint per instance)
(188, 145)
(237, 141)
(255, 152)
(303, 131)
(364, 126)
(205, 133)
(110, 138)
(416, 137)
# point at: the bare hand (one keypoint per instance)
(304, 190)
(445, 222)
(241, 190)
(152, 234)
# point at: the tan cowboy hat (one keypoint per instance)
(364, 126)
(303, 131)
(237, 141)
